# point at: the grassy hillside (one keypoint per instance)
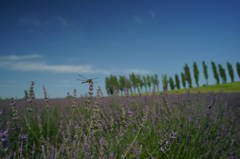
(227, 88)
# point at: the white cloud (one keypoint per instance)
(24, 57)
(25, 63)
(41, 66)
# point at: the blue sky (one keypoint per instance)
(50, 42)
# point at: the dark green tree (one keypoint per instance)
(215, 72)
(133, 79)
(122, 83)
(205, 71)
(145, 83)
(155, 82)
(171, 83)
(149, 82)
(165, 82)
(183, 79)
(109, 85)
(222, 73)
(128, 86)
(230, 71)
(177, 81)
(115, 84)
(196, 73)
(139, 83)
(188, 75)
(238, 68)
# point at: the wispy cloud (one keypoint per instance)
(26, 63)
(43, 67)
(23, 57)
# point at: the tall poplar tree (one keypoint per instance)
(171, 83)
(238, 68)
(230, 71)
(215, 72)
(205, 71)
(188, 75)
(222, 73)
(165, 82)
(196, 73)
(177, 81)
(183, 79)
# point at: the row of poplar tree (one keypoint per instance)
(134, 83)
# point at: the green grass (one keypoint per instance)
(226, 88)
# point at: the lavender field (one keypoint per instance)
(184, 126)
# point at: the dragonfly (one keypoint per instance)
(86, 80)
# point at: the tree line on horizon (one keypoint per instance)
(138, 84)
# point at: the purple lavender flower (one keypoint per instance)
(111, 155)
(4, 138)
(23, 137)
(129, 113)
(173, 135)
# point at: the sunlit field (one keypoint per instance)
(183, 126)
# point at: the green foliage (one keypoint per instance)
(188, 75)
(222, 73)
(122, 83)
(205, 71)
(108, 86)
(149, 82)
(183, 79)
(155, 82)
(215, 72)
(230, 71)
(238, 68)
(171, 83)
(134, 81)
(177, 81)
(196, 73)
(112, 85)
(165, 82)
(226, 88)
(145, 83)
(69, 96)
